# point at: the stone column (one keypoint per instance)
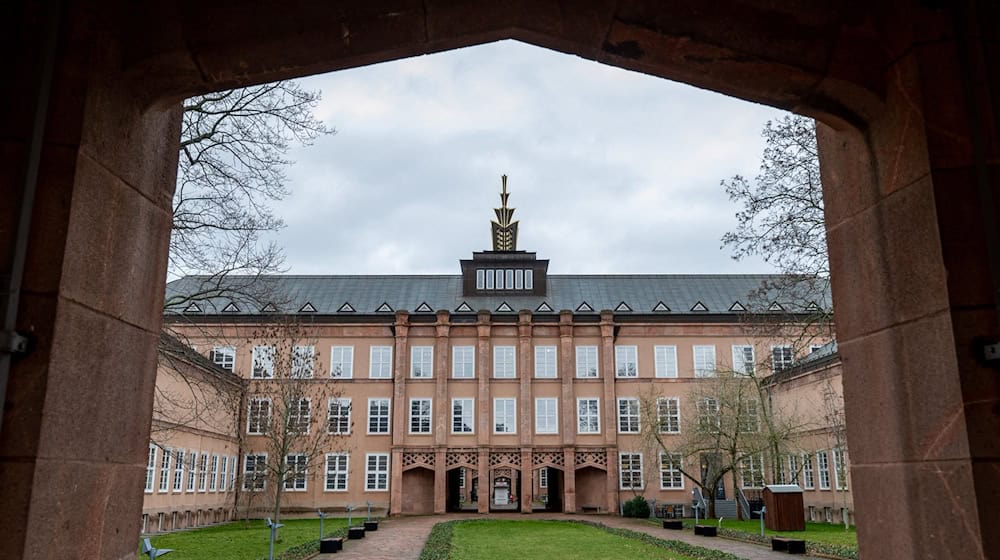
(611, 483)
(483, 362)
(569, 480)
(527, 488)
(607, 361)
(525, 359)
(567, 373)
(484, 480)
(442, 420)
(396, 483)
(400, 412)
(440, 480)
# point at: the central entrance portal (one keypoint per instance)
(504, 495)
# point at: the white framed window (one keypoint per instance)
(588, 416)
(224, 357)
(743, 359)
(295, 472)
(203, 472)
(504, 416)
(545, 362)
(336, 472)
(378, 416)
(299, 415)
(808, 481)
(480, 279)
(546, 416)
(263, 362)
(376, 472)
(704, 360)
(422, 362)
(179, 464)
(150, 468)
(461, 477)
(708, 415)
(670, 471)
(628, 415)
(258, 415)
(192, 470)
(529, 280)
(213, 474)
(303, 361)
(380, 366)
(749, 417)
(586, 361)
(232, 471)
(752, 471)
(489, 279)
(224, 473)
(338, 416)
(626, 361)
(503, 362)
(839, 469)
(463, 416)
(665, 359)
(793, 468)
(342, 362)
(630, 471)
(463, 362)
(543, 477)
(165, 470)
(668, 412)
(255, 471)
(420, 416)
(823, 466)
(782, 357)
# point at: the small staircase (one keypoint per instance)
(725, 508)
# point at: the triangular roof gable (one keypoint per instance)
(424, 308)
(737, 306)
(307, 308)
(661, 307)
(775, 306)
(346, 308)
(699, 307)
(544, 308)
(269, 308)
(623, 307)
(231, 308)
(503, 307)
(584, 307)
(463, 308)
(193, 307)
(384, 308)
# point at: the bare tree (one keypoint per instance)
(836, 425)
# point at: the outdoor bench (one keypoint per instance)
(789, 545)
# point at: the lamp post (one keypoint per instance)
(274, 529)
(322, 516)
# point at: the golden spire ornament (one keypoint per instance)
(504, 230)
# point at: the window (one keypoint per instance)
(377, 472)
(519, 279)
(461, 477)
(165, 471)
(781, 357)
(420, 416)
(224, 357)
(303, 361)
(748, 418)
(463, 362)
(504, 421)
(378, 416)
(529, 281)
(626, 361)
(258, 416)
(543, 477)
(743, 360)
(823, 464)
(546, 416)
(503, 362)
(255, 472)
(807, 472)
(422, 361)
(299, 415)
(630, 471)
(815, 347)
(704, 361)
(263, 362)
(665, 358)
(708, 415)
(793, 468)
(150, 468)
(232, 471)
(510, 278)
(203, 472)
(670, 471)
(839, 469)
(192, 470)
(489, 279)
(545, 362)
(588, 416)
(213, 477)
(336, 472)
(480, 279)
(224, 474)
(381, 362)
(752, 471)
(462, 416)
(628, 416)
(295, 472)
(668, 412)
(338, 416)
(342, 362)
(586, 361)
(178, 470)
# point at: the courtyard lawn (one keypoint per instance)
(827, 533)
(236, 541)
(546, 540)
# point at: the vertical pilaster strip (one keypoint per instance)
(484, 480)
(524, 372)
(527, 488)
(569, 480)
(441, 373)
(396, 483)
(440, 480)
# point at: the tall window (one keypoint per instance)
(338, 416)
(165, 470)
(342, 362)
(749, 417)
(628, 416)
(839, 469)
(670, 471)
(263, 362)
(255, 472)
(223, 473)
(336, 472)
(665, 358)
(380, 366)
(463, 362)
(808, 482)
(668, 412)
(378, 416)
(299, 415)
(295, 472)
(752, 471)
(503, 362)
(420, 416)
(588, 416)
(232, 471)
(258, 416)
(586, 361)
(545, 362)
(626, 361)
(192, 470)
(224, 357)
(150, 468)
(543, 477)
(704, 360)
(708, 415)
(781, 357)
(823, 464)
(793, 468)
(203, 472)
(303, 361)
(504, 421)
(376, 472)
(546, 416)
(463, 416)
(743, 359)
(213, 476)
(422, 361)
(630, 471)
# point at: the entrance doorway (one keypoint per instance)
(461, 488)
(547, 489)
(504, 491)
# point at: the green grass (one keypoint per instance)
(236, 541)
(816, 532)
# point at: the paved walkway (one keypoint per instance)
(402, 538)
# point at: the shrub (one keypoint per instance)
(636, 507)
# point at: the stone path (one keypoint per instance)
(402, 538)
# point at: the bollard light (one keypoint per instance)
(322, 516)
(349, 509)
(762, 512)
(148, 549)
(369, 511)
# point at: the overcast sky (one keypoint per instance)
(610, 171)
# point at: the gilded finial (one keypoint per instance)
(504, 230)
